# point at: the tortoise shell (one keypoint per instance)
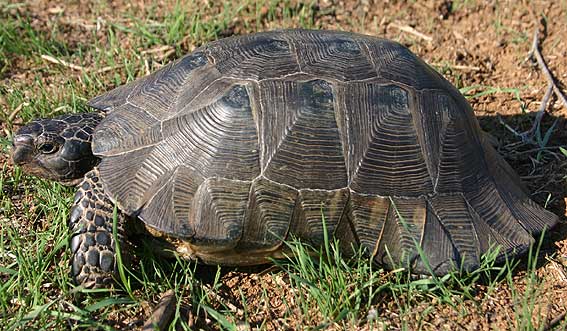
(250, 140)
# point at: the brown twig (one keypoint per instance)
(161, 52)
(539, 149)
(511, 129)
(109, 68)
(554, 322)
(410, 30)
(159, 49)
(228, 305)
(163, 313)
(14, 113)
(560, 271)
(146, 67)
(51, 59)
(543, 105)
(63, 63)
(552, 88)
(535, 53)
(456, 66)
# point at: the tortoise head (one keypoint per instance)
(57, 148)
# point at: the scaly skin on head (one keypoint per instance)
(57, 148)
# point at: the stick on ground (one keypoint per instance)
(535, 53)
(552, 88)
(162, 314)
(63, 63)
(410, 30)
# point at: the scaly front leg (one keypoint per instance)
(94, 262)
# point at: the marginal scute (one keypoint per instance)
(402, 233)
(460, 226)
(217, 214)
(486, 201)
(168, 208)
(318, 211)
(186, 184)
(368, 214)
(119, 175)
(533, 218)
(440, 255)
(270, 211)
(346, 235)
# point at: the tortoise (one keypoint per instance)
(236, 147)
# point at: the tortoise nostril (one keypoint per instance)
(22, 146)
(22, 140)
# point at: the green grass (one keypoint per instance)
(323, 289)
(341, 287)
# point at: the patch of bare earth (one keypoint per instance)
(482, 44)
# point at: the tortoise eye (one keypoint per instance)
(47, 148)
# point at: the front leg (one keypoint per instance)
(94, 262)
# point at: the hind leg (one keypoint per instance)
(94, 261)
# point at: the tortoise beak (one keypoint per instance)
(22, 149)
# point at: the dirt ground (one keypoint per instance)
(479, 44)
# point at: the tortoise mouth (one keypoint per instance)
(34, 170)
(22, 156)
(39, 171)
